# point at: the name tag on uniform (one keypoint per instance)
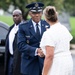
(28, 37)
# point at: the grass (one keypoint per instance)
(72, 22)
(7, 19)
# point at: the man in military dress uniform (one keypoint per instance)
(29, 37)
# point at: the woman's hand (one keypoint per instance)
(40, 52)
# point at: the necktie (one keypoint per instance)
(37, 31)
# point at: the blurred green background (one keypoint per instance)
(9, 21)
(72, 22)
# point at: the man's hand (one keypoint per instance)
(40, 52)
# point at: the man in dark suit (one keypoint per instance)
(12, 55)
(29, 36)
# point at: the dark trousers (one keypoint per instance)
(27, 74)
(10, 66)
(24, 74)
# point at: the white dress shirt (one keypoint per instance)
(11, 38)
(39, 25)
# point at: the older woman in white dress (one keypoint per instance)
(55, 44)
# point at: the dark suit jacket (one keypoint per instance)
(16, 56)
(27, 44)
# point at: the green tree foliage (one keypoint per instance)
(4, 4)
(59, 4)
(69, 5)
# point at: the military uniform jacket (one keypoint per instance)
(27, 44)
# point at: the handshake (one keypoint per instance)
(40, 52)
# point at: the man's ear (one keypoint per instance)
(29, 13)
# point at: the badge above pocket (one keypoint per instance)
(27, 37)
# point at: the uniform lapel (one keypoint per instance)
(42, 28)
(32, 31)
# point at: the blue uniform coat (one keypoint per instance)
(27, 44)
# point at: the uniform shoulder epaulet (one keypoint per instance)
(44, 21)
(24, 23)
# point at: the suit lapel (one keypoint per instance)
(15, 42)
(7, 37)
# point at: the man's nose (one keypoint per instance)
(37, 14)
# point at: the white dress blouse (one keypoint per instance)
(59, 37)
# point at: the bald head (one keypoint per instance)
(17, 16)
(18, 11)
